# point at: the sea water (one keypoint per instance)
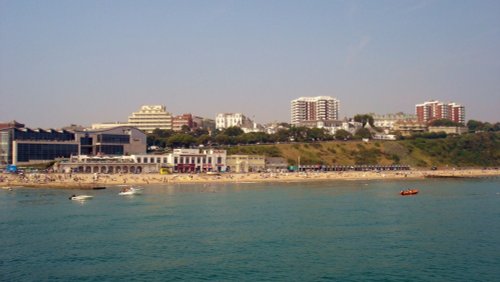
(342, 231)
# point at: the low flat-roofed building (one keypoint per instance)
(449, 129)
(388, 137)
(246, 163)
(104, 164)
(276, 164)
(108, 125)
(387, 121)
(407, 128)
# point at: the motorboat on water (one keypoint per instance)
(408, 192)
(129, 191)
(81, 197)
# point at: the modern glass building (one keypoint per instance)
(28, 146)
(24, 145)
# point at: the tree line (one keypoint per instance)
(187, 138)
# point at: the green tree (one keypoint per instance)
(317, 134)
(443, 122)
(342, 134)
(282, 135)
(181, 140)
(222, 139)
(299, 133)
(362, 133)
(233, 131)
(199, 132)
(162, 133)
(185, 129)
(496, 127)
(203, 139)
(366, 118)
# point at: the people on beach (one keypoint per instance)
(81, 179)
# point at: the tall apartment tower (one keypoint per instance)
(151, 117)
(314, 108)
(432, 110)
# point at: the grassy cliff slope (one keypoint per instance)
(480, 149)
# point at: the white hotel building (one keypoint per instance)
(225, 120)
(147, 119)
(306, 109)
(151, 117)
(187, 160)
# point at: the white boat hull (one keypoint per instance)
(131, 191)
(81, 197)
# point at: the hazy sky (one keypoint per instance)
(87, 61)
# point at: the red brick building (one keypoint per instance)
(432, 110)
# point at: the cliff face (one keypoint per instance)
(469, 150)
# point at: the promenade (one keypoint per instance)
(87, 181)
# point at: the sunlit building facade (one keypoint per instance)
(225, 120)
(151, 117)
(432, 110)
(314, 109)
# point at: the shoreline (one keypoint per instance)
(93, 181)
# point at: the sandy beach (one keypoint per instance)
(89, 181)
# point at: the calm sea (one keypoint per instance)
(342, 231)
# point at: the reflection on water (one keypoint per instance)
(353, 231)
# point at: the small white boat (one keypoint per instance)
(81, 197)
(130, 191)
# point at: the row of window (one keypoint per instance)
(179, 160)
(110, 149)
(113, 138)
(43, 135)
(27, 152)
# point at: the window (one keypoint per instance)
(27, 152)
(86, 141)
(110, 149)
(113, 138)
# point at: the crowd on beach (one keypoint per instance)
(85, 180)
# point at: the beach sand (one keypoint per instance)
(89, 181)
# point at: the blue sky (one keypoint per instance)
(84, 62)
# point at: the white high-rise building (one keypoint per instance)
(225, 120)
(314, 108)
(151, 117)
